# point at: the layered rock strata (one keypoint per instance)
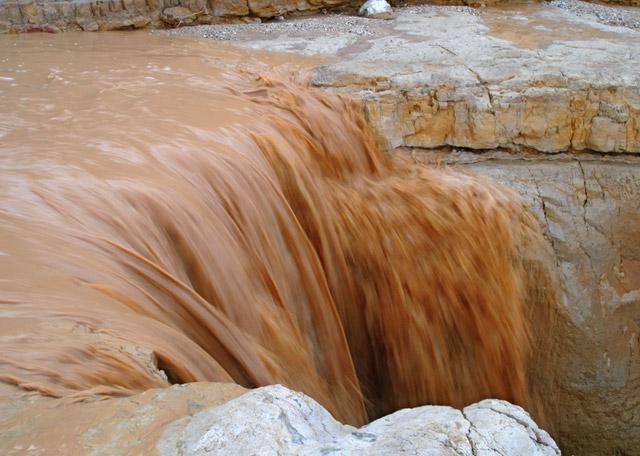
(589, 205)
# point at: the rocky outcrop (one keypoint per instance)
(589, 205)
(560, 95)
(453, 80)
(93, 15)
(275, 420)
(56, 15)
(34, 424)
(376, 9)
(218, 419)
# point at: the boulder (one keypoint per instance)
(589, 207)
(277, 421)
(376, 9)
(456, 78)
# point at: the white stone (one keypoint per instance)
(277, 421)
(376, 9)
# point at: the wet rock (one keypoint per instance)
(376, 9)
(128, 425)
(589, 206)
(275, 420)
(45, 28)
(215, 418)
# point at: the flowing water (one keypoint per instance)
(175, 211)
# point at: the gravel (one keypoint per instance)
(608, 15)
(323, 24)
(327, 24)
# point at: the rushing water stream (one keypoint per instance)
(167, 216)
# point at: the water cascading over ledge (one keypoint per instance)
(301, 255)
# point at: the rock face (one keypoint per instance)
(589, 206)
(55, 15)
(94, 15)
(277, 421)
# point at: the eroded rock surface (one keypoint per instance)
(589, 205)
(32, 424)
(218, 419)
(470, 81)
(536, 81)
(87, 15)
(276, 421)
(533, 76)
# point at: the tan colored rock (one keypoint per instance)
(84, 10)
(123, 14)
(230, 7)
(88, 25)
(555, 83)
(224, 419)
(178, 15)
(31, 13)
(5, 26)
(271, 8)
(453, 82)
(590, 208)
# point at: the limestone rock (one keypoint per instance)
(31, 15)
(589, 207)
(88, 25)
(276, 421)
(271, 8)
(376, 9)
(230, 8)
(453, 79)
(202, 419)
(31, 424)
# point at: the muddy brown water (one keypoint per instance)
(174, 210)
